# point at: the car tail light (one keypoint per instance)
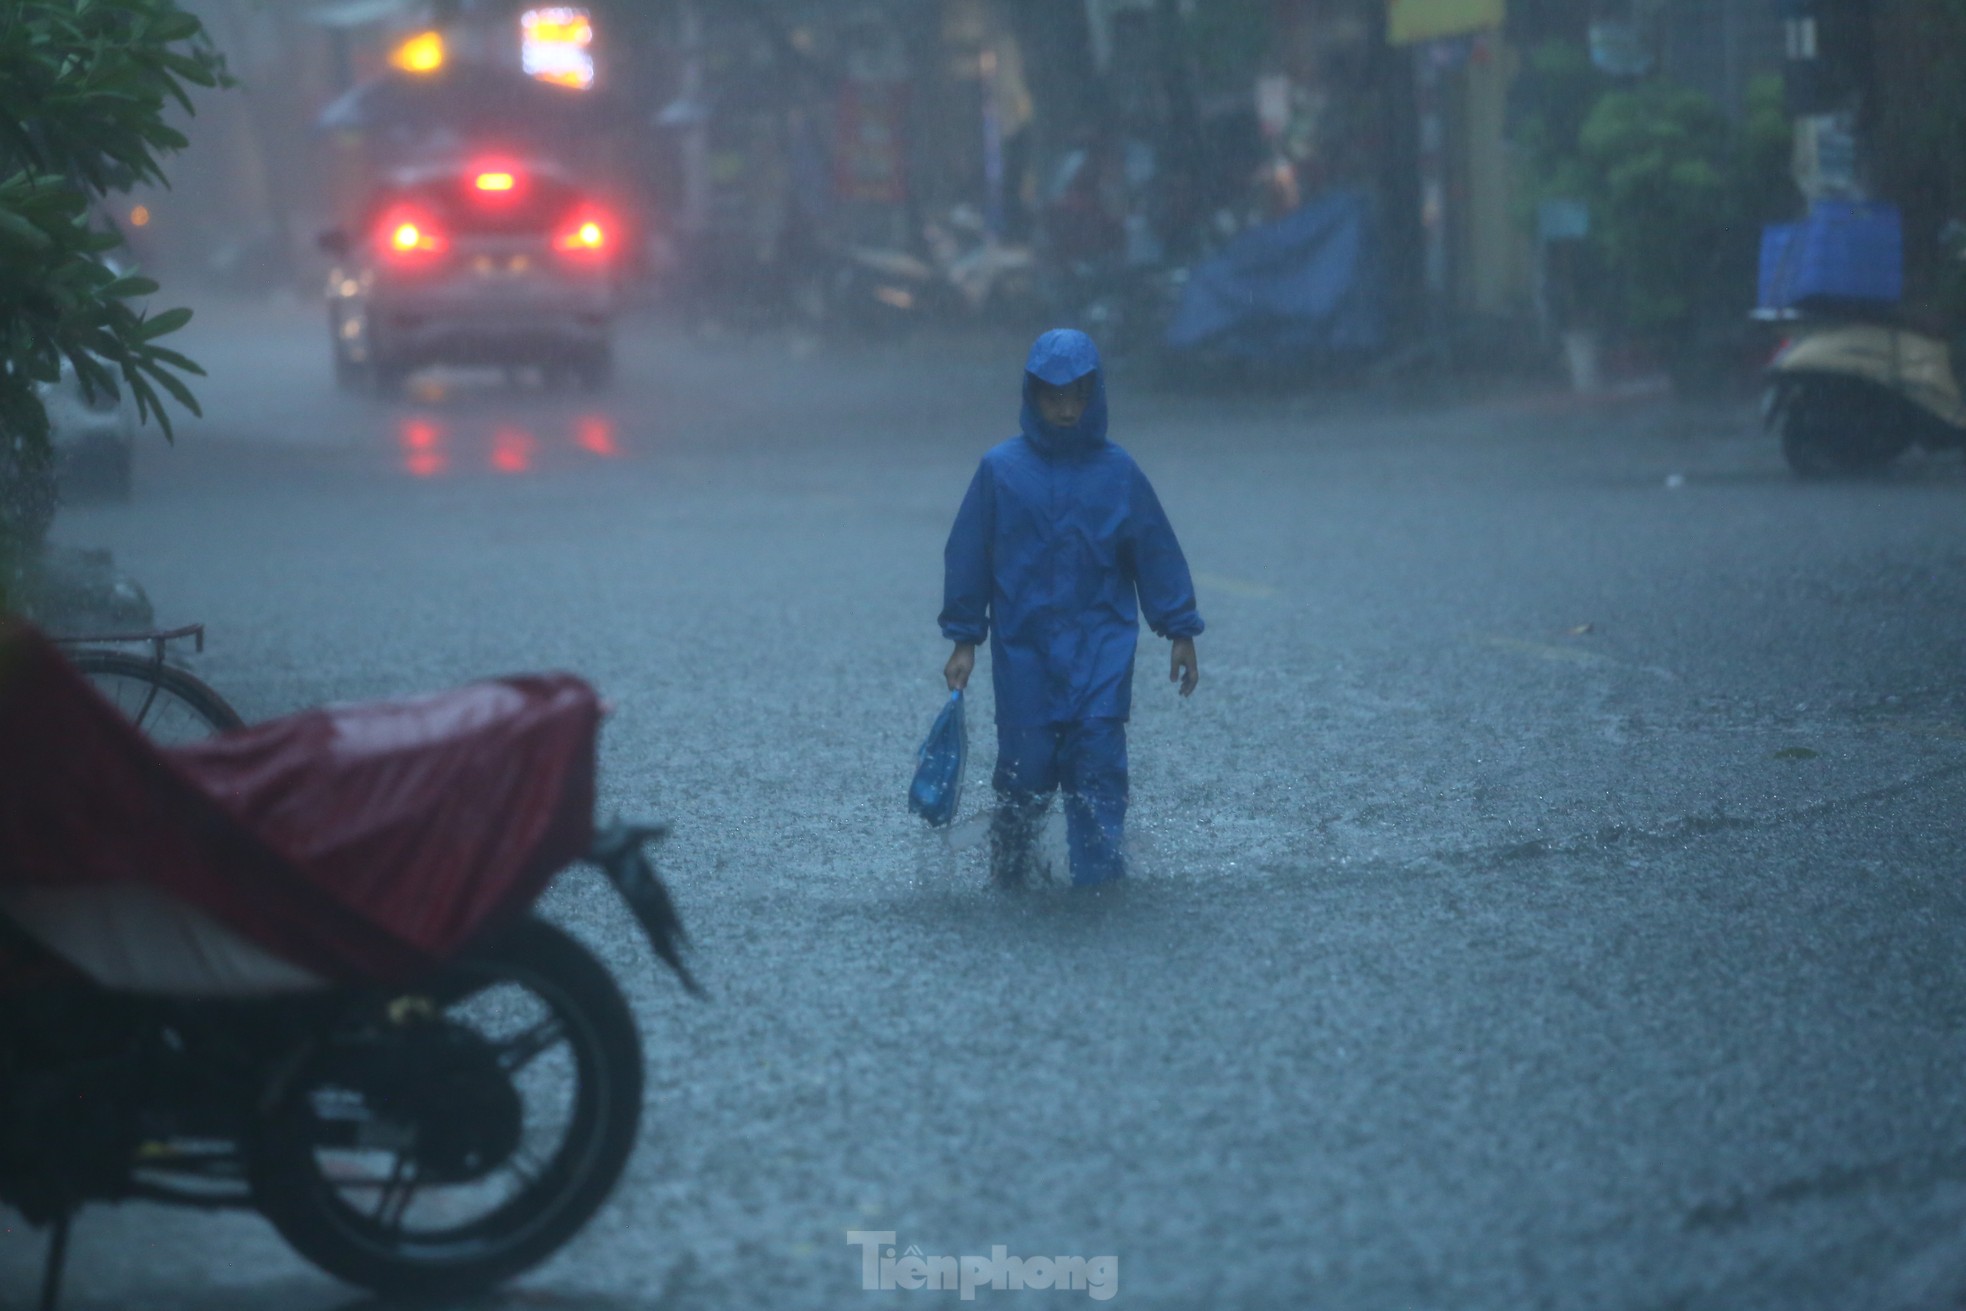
(409, 236)
(589, 234)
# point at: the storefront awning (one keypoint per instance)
(1410, 21)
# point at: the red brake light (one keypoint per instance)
(495, 180)
(409, 236)
(588, 234)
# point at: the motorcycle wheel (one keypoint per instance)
(355, 1200)
(1832, 428)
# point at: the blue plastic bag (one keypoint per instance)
(938, 787)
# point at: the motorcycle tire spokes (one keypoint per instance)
(514, 1124)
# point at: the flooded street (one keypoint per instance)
(1549, 898)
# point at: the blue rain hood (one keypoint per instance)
(1058, 549)
(1061, 356)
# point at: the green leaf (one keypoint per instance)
(182, 363)
(148, 402)
(22, 232)
(173, 27)
(125, 288)
(163, 324)
(92, 373)
(174, 386)
(84, 90)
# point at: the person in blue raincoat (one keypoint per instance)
(1059, 546)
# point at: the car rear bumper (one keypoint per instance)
(437, 342)
(439, 331)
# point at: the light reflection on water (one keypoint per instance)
(513, 449)
(594, 433)
(422, 443)
(429, 448)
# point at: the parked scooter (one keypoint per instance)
(1853, 390)
(294, 970)
(959, 271)
(1849, 397)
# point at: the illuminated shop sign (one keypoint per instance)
(1408, 21)
(557, 45)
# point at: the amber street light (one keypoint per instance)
(422, 53)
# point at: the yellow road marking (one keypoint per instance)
(1237, 586)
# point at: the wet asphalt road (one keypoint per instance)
(1551, 898)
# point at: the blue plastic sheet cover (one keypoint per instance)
(1307, 285)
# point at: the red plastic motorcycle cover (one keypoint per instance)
(363, 842)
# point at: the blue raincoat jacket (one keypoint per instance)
(1057, 536)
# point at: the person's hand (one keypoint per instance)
(1182, 666)
(962, 663)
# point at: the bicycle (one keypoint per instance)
(169, 704)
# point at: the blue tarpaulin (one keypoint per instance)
(1305, 286)
(1844, 250)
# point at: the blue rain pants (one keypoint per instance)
(1086, 760)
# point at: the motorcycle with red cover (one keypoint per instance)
(295, 969)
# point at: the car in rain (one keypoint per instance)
(92, 436)
(486, 263)
(92, 432)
